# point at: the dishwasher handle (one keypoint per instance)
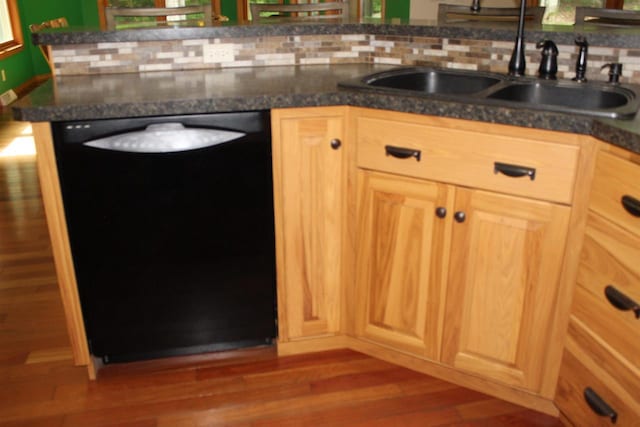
(164, 138)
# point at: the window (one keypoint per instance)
(372, 8)
(10, 33)
(562, 12)
(124, 22)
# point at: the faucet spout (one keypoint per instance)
(581, 63)
(517, 62)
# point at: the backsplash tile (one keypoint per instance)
(175, 55)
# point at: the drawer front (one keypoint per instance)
(468, 158)
(610, 257)
(581, 369)
(614, 179)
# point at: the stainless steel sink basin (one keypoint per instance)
(594, 99)
(591, 98)
(433, 81)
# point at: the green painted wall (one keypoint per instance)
(28, 63)
(229, 9)
(397, 9)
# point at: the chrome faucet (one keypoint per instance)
(475, 6)
(581, 63)
(517, 62)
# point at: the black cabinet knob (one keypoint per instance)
(441, 212)
(336, 143)
(459, 216)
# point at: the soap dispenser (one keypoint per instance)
(549, 62)
(615, 71)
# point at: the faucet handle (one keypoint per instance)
(549, 62)
(615, 71)
(581, 41)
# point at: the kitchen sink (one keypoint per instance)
(587, 98)
(433, 81)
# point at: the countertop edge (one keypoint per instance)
(41, 106)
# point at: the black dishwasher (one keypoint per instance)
(170, 221)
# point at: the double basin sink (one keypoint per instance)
(596, 99)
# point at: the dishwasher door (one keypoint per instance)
(171, 228)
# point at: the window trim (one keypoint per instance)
(17, 43)
(215, 4)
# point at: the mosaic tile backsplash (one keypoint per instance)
(484, 55)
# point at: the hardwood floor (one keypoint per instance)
(39, 386)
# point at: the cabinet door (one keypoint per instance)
(505, 263)
(309, 190)
(401, 261)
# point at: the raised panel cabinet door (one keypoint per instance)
(309, 191)
(506, 256)
(401, 261)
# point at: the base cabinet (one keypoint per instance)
(437, 244)
(599, 381)
(455, 274)
(309, 172)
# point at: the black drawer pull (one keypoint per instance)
(402, 153)
(631, 205)
(514, 171)
(621, 301)
(599, 406)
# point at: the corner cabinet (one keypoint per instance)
(447, 246)
(461, 243)
(310, 176)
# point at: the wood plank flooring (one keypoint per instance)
(39, 386)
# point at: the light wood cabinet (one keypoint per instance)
(446, 246)
(402, 261)
(309, 171)
(600, 374)
(505, 265)
(448, 270)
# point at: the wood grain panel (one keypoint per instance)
(615, 177)
(467, 157)
(52, 199)
(309, 187)
(505, 263)
(610, 257)
(587, 364)
(402, 260)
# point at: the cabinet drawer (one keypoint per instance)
(587, 364)
(609, 257)
(468, 158)
(614, 179)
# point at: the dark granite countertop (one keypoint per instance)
(259, 88)
(598, 36)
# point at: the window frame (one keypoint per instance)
(215, 5)
(16, 44)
